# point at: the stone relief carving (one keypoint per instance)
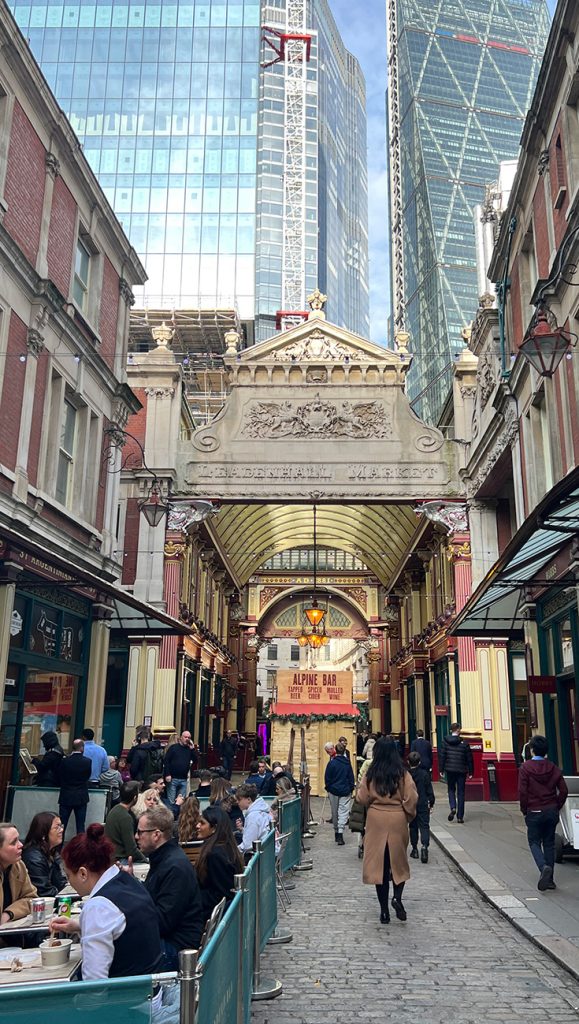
(317, 418)
(159, 392)
(486, 378)
(508, 436)
(318, 346)
(359, 595)
(183, 516)
(316, 375)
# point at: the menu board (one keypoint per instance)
(313, 687)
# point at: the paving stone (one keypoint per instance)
(456, 958)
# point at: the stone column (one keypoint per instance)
(374, 658)
(251, 660)
(459, 552)
(52, 168)
(35, 346)
(97, 668)
(165, 713)
(483, 537)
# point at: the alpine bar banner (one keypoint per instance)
(314, 687)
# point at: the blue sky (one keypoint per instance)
(362, 24)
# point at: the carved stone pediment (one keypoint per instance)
(316, 418)
(318, 346)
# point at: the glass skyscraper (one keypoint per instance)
(461, 79)
(184, 128)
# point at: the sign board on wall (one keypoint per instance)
(313, 687)
(543, 684)
(441, 710)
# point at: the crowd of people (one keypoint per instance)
(391, 801)
(128, 927)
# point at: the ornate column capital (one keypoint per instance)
(34, 341)
(126, 292)
(52, 165)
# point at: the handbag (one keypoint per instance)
(357, 819)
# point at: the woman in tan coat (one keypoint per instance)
(389, 793)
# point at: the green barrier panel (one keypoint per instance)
(291, 821)
(267, 891)
(115, 1001)
(219, 962)
(249, 912)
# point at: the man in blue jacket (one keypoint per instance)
(423, 748)
(339, 781)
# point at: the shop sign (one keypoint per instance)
(441, 710)
(543, 684)
(314, 687)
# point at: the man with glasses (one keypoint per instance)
(172, 885)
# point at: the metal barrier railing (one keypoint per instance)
(217, 982)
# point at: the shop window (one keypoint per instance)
(49, 706)
(66, 452)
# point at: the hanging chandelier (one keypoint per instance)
(313, 632)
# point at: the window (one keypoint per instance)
(272, 652)
(81, 273)
(271, 679)
(295, 652)
(64, 473)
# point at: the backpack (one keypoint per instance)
(153, 764)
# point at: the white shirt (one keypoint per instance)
(101, 922)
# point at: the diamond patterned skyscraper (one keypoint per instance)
(461, 79)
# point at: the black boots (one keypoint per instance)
(340, 839)
(397, 902)
(414, 853)
(382, 894)
(423, 854)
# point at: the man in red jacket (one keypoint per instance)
(542, 793)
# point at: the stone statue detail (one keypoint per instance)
(318, 347)
(317, 418)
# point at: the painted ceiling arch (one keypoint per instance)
(249, 534)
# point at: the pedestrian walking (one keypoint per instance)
(389, 793)
(542, 793)
(423, 747)
(339, 782)
(421, 823)
(75, 772)
(227, 752)
(455, 763)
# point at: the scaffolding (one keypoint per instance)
(394, 142)
(198, 344)
(292, 47)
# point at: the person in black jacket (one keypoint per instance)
(180, 760)
(41, 853)
(172, 885)
(219, 859)
(455, 762)
(339, 781)
(227, 752)
(75, 772)
(422, 747)
(423, 783)
(145, 758)
(48, 766)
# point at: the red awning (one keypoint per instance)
(314, 709)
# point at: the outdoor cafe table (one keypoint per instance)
(24, 924)
(39, 975)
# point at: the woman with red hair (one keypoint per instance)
(118, 926)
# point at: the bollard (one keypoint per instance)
(188, 978)
(240, 884)
(263, 988)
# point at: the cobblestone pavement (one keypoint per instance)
(456, 959)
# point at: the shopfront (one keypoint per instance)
(559, 652)
(45, 687)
